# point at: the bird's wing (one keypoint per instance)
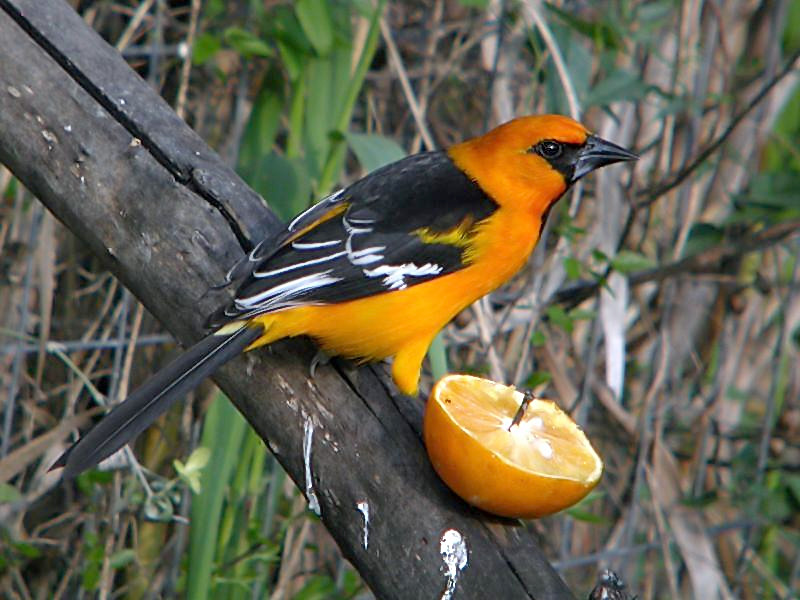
(400, 226)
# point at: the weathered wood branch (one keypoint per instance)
(112, 161)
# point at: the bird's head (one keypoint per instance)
(535, 158)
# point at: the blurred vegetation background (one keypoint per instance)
(662, 307)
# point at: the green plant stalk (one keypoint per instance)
(782, 384)
(256, 483)
(248, 479)
(294, 142)
(769, 549)
(338, 146)
(269, 510)
(223, 431)
(248, 482)
(254, 475)
(438, 356)
(233, 524)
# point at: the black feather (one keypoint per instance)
(424, 191)
(153, 398)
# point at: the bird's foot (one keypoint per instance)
(320, 358)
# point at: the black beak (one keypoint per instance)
(596, 153)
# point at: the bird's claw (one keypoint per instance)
(320, 358)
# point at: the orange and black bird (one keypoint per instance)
(375, 270)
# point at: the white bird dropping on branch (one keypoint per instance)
(453, 549)
(308, 437)
(363, 507)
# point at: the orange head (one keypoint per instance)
(531, 161)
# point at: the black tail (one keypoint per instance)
(153, 398)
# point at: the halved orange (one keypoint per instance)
(537, 467)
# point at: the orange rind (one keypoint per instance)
(537, 467)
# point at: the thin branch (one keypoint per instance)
(651, 194)
(706, 261)
(186, 67)
(532, 11)
(405, 83)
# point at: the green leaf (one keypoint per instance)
(320, 113)
(191, 471)
(479, 4)
(350, 583)
(776, 504)
(628, 261)
(778, 190)
(292, 44)
(292, 60)
(771, 198)
(783, 152)
(318, 587)
(286, 29)
(8, 493)
(26, 549)
(538, 378)
(580, 511)
(246, 43)
(315, 19)
(793, 485)
(284, 183)
(91, 576)
(573, 267)
(365, 8)
(336, 155)
(374, 151)
(599, 30)
(262, 127)
(538, 338)
(213, 9)
(654, 13)
(582, 314)
(223, 429)
(88, 479)
(701, 237)
(568, 229)
(123, 558)
(94, 560)
(599, 255)
(585, 516)
(579, 65)
(205, 47)
(702, 500)
(559, 317)
(198, 459)
(618, 85)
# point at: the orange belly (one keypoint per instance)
(375, 327)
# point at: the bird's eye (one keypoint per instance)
(549, 149)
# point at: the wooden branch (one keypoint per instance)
(112, 161)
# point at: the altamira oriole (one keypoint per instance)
(377, 269)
